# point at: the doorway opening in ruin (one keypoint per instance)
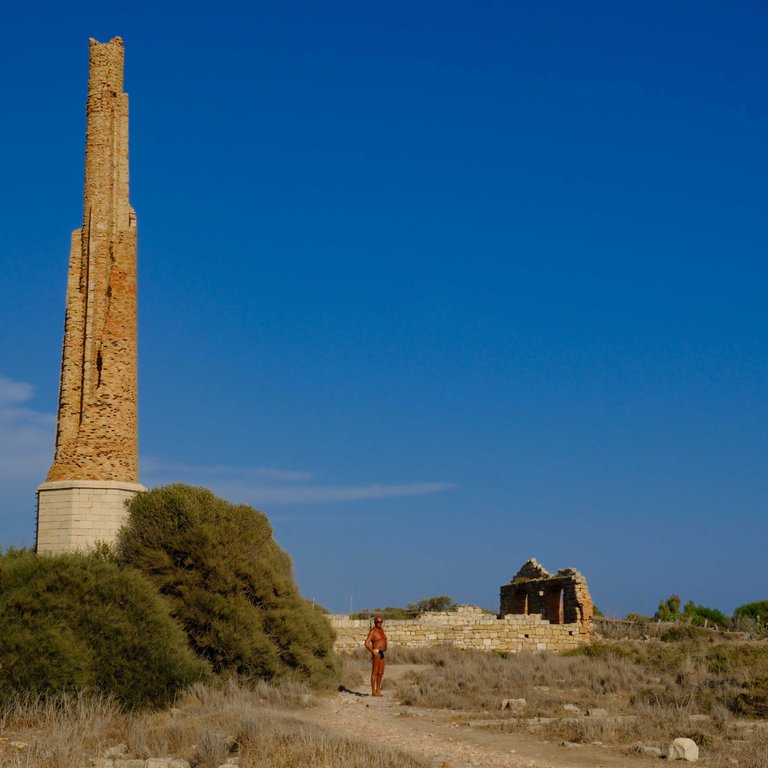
(553, 605)
(519, 603)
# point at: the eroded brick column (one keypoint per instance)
(97, 427)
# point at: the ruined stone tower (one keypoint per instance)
(95, 466)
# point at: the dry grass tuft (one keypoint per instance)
(478, 681)
(208, 725)
(698, 685)
(211, 750)
(71, 726)
(285, 742)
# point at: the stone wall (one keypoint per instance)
(467, 627)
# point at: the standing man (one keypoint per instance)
(376, 643)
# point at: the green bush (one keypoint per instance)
(682, 633)
(391, 613)
(700, 614)
(433, 604)
(758, 611)
(411, 611)
(76, 623)
(227, 583)
(669, 610)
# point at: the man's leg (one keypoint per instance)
(374, 672)
(379, 675)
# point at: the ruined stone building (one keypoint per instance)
(560, 598)
(95, 466)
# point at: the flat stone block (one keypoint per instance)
(69, 517)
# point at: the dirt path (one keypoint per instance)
(436, 739)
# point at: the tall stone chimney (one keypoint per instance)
(95, 466)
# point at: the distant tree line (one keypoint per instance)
(440, 604)
(748, 617)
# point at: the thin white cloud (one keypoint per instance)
(319, 494)
(262, 486)
(26, 451)
(155, 467)
(26, 438)
(14, 392)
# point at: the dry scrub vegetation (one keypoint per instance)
(209, 726)
(684, 683)
(688, 682)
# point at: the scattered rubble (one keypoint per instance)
(683, 749)
(651, 750)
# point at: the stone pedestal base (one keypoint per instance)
(72, 515)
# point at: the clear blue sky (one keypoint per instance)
(438, 286)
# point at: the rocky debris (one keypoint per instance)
(570, 745)
(571, 708)
(597, 712)
(652, 750)
(513, 704)
(120, 761)
(118, 756)
(19, 744)
(531, 570)
(683, 749)
(496, 723)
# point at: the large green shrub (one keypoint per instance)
(758, 611)
(702, 615)
(228, 584)
(76, 623)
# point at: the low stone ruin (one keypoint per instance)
(538, 612)
(560, 598)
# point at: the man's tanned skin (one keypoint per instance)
(376, 643)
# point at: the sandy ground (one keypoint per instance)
(440, 738)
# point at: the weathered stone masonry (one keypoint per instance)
(562, 619)
(95, 465)
(562, 598)
(467, 627)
